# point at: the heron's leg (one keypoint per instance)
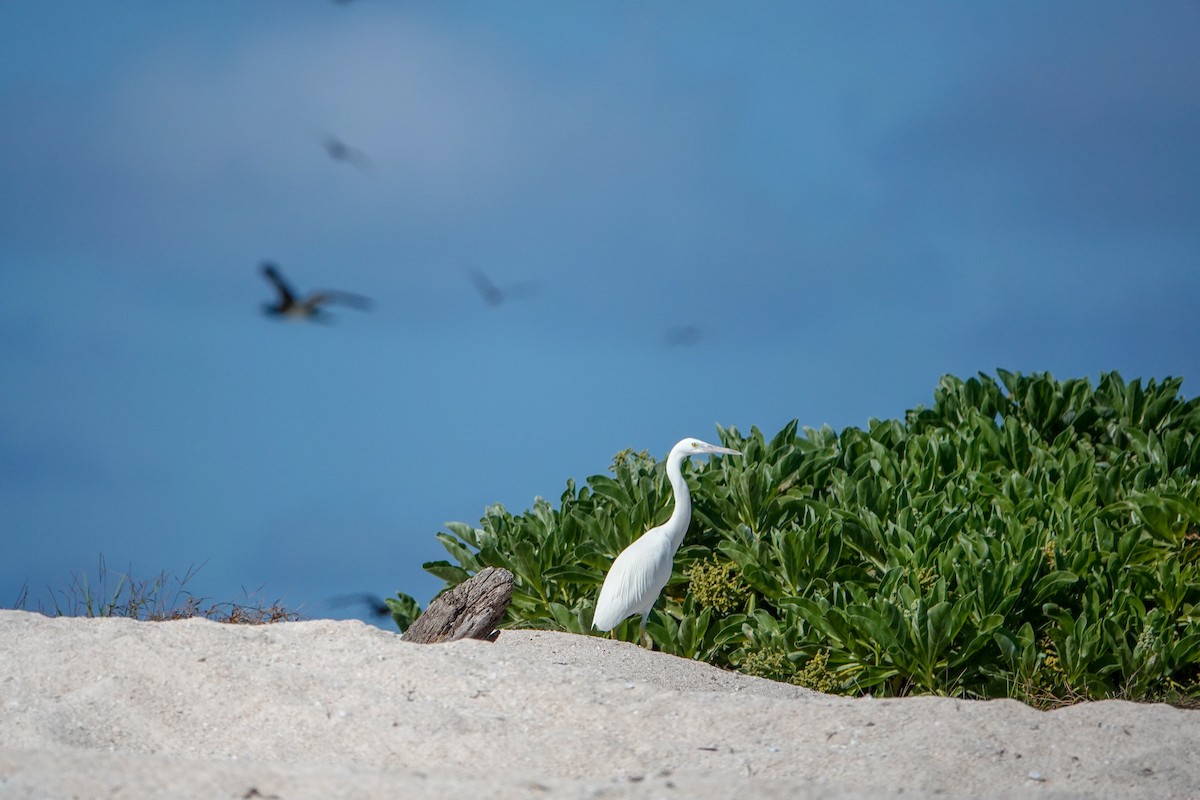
(644, 637)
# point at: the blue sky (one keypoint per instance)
(846, 201)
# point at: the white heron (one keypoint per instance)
(642, 569)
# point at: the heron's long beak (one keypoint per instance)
(726, 450)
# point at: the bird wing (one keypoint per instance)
(271, 273)
(374, 605)
(521, 289)
(682, 336)
(358, 159)
(483, 284)
(340, 298)
(336, 148)
(340, 151)
(635, 580)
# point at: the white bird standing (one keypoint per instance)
(642, 569)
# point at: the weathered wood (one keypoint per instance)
(468, 611)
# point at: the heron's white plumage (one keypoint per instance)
(642, 569)
(634, 581)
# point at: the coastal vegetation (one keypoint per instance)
(1020, 537)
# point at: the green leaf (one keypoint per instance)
(1050, 585)
(464, 532)
(404, 608)
(609, 488)
(574, 574)
(448, 572)
(460, 553)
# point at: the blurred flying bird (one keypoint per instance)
(642, 569)
(340, 151)
(492, 294)
(682, 336)
(292, 307)
(375, 607)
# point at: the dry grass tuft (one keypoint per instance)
(159, 599)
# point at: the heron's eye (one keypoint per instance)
(695, 445)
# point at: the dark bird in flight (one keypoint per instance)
(292, 307)
(375, 607)
(340, 151)
(492, 294)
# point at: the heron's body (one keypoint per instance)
(642, 569)
(635, 580)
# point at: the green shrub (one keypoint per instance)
(1021, 537)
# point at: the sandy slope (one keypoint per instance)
(322, 709)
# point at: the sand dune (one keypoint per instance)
(112, 708)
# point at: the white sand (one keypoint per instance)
(112, 708)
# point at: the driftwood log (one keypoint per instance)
(468, 611)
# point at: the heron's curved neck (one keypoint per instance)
(682, 514)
